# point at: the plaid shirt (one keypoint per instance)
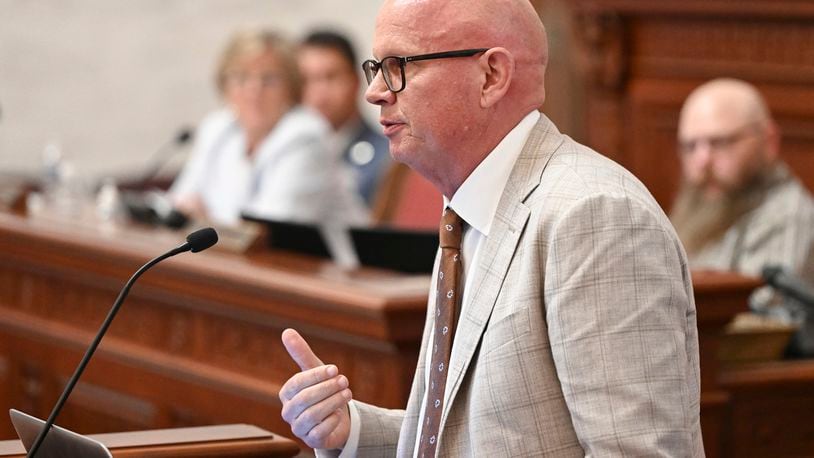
(780, 231)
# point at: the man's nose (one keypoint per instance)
(699, 163)
(702, 154)
(377, 92)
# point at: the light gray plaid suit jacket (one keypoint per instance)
(580, 338)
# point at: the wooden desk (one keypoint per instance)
(233, 441)
(198, 340)
(719, 296)
(758, 409)
(772, 409)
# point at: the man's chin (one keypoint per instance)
(410, 158)
(398, 154)
(713, 192)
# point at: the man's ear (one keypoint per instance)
(773, 136)
(498, 67)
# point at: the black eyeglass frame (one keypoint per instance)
(371, 67)
(720, 142)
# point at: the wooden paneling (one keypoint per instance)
(198, 340)
(772, 409)
(642, 58)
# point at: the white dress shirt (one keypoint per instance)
(476, 202)
(292, 175)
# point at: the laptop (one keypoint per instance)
(403, 250)
(59, 443)
(292, 236)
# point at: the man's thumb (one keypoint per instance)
(299, 350)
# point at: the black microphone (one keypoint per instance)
(788, 285)
(196, 241)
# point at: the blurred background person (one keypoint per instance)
(739, 207)
(331, 86)
(264, 154)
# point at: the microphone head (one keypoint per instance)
(770, 273)
(202, 239)
(184, 135)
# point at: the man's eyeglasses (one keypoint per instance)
(392, 67)
(718, 142)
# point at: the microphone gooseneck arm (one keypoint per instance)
(96, 341)
(160, 158)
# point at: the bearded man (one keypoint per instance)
(740, 208)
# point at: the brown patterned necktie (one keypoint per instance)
(449, 272)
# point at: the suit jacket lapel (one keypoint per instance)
(498, 250)
(409, 427)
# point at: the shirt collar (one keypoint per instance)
(476, 200)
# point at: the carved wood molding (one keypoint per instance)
(756, 50)
(802, 9)
(602, 50)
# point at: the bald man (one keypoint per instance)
(740, 208)
(571, 329)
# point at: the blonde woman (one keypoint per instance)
(262, 153)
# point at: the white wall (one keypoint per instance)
(111, 80)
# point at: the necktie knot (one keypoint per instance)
(451, 230)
